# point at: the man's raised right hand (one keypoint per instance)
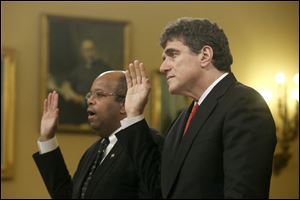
(138, 89)
(50, 117)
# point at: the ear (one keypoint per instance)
(122, 108)
(207, 55)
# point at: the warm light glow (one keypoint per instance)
(296, 79)
(267, 94)
(280, 78)
(295, 94)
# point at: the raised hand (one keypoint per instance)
(50, 117)
(138, 89)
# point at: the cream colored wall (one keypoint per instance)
(263, 36)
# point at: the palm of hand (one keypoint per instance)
(138, 89)
(137, 97)
(49, 123)
(50, 116)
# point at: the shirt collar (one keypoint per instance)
(112, 138)
(209, 89)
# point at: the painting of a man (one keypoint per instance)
(75, 87)
(77, 51)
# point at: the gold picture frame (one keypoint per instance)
(156, 97)
(8, 81)
(68, 42)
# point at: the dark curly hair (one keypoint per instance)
(197, 32)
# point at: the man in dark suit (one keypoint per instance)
(106, 170)
(222, 145)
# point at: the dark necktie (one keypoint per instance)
(102, 146)
(193, 112)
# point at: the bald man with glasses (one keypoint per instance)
(105, 170)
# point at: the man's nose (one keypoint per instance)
(91, 100)
(164, 67)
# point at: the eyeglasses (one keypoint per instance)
(98, 94)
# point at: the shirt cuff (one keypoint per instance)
(126, 122)
(47, 146)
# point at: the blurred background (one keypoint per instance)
(264, 42)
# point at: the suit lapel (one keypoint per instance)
(102, 169)
(170, 149)
(182, 148)
(83, 169)
(173, 138)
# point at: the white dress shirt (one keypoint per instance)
(209, 89)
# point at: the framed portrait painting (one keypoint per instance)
(74, 52)
(8, 80)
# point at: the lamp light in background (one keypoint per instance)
(287, 119)
(285, 106)
(280, 78)
(267, 94)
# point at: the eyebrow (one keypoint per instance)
(98, 89)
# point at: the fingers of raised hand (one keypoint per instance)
(132, 73)
(45, 106)
(143, 73)
(136, 74)
(54, 100)
(48, 102)
(137, 66)
(51, 102)
(128, 79)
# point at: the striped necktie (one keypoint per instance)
(102, 146)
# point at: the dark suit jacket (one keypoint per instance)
(116, 177)
(227, 151)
